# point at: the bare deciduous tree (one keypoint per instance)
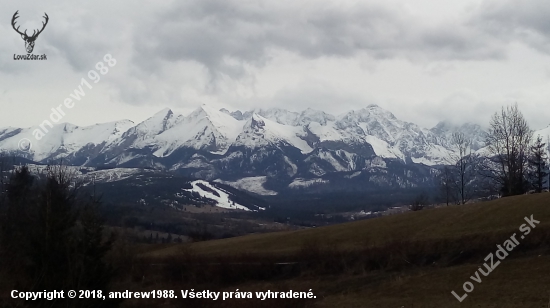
(447, 183)
(463, 163)
(508, 141)
(420, 202)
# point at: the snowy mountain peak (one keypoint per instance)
(204, 129)
(373, 110)
(158, 123)
(238, 115)
(444, 130)
(260, 131)
(280, 116)
(443, 126)
(208, 108)
(164, 113)
(255, 122)
(210, 114)
(311, 115)
(369, 131)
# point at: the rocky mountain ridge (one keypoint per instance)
(281, 150)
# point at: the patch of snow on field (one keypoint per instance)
(351, 176)
(299, 182)
(112, 175)
(223, 200)
(251, 184)
(42, 169)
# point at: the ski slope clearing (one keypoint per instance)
(207, 190)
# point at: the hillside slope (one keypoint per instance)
(406, 260)
(502, 215)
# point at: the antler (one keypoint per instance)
(13, 24)
(43, 25)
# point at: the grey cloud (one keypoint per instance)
(208, 32)
(321, 95)
(225, 35)
(166, 46)
(460, 107)
(81, 36)
(448, 42)
(525, 21)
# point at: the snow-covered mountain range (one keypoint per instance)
(263, 151)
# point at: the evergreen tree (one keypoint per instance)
(52, 237)
(17, 197)
(89, 271)
(538, 168)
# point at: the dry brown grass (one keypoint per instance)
(503, 215)
(515, 283)
(410, 260)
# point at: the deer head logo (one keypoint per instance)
(29, 40)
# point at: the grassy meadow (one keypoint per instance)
(408, 260)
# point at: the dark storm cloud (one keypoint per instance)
(224, 35)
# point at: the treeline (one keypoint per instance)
(514, 161)
(51, 236)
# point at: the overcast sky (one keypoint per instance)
(424, 60)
